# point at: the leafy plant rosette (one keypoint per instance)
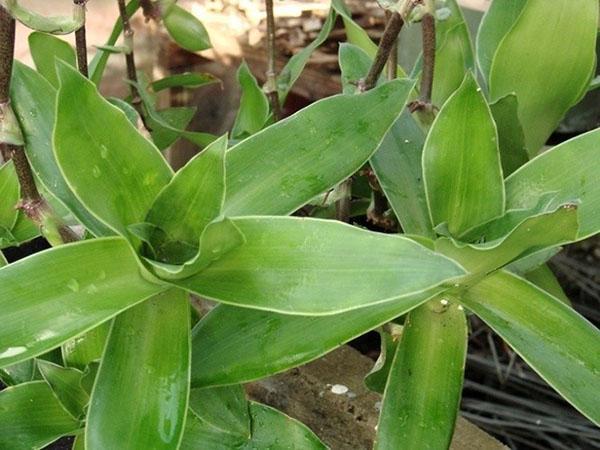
(96, 338)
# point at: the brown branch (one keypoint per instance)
(31, 203)
(81, 44)
(386, 44)
(428, 33)
(271, 83)
(343, 205)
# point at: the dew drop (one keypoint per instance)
(96, 172)
(103, 151)
(12, 351)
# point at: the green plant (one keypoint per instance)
(481, 208)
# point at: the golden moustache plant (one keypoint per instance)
(98, 339)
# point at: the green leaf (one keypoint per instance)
(45, 49)
(354, 64)
(546, 174)
(424, 386)
(141, 391)
(129, 110)
(223, 408)
(185, 29)
(533, 234)
(66, 385)
(461, 163)
(47, 24)
(236, 345)
(31, 417)
(453, 55)
(86, 348)
(89, 282)
(496, 23)
(285, 165)
(511, 138)
(294, 67)
(18, 373)
(34, 101)
(316, 267)
(397, 164)
(551, 41)
(24, 230)
(177, 120)
(552, 338)
(376, 379)
(190, 80)
(98, 62)
(354, 33)
(126, 169)
(254, 105)
(274, 430)
(10, 193)
(192, 199)
(271, 429)
(544, 278)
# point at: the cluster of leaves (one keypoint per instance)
(96, 338)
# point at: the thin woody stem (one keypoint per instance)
(386, 44)
(32, 203)
(81, 45)
(392, 64)
(428, 32)
(271, 75)
(136, 100)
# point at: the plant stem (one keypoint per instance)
(271, 84)
(343, 205)
(81, 44)
(392, 64)
(31, 203)
(428, 30)
(386, 44)
(136, 100)
(151, 10)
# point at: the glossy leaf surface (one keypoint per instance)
(311, 266)
(285, 165)
(551, 337)
(461, 163)
(127, 170)
(141, 391)
(254, 106)
(423, 391)
(551, 41)
(32, 417)
(66, 385)
(237, 345)
(86, 348)
(45, 49)
(34, 101)
(546, 174)
(80, 292)
(192, 199)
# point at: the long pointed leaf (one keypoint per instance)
(57, 294)
(423, 391)
(461, 162)
(285, 165)
(141, 393)
(551, 41)
(311, 266)
(557, 342)
(45, 49)
(34, 101)
(128, 171)
(237, 345)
